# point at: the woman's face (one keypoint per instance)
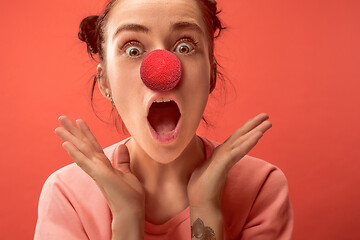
(176, 26)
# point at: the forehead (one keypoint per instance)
(153, 14)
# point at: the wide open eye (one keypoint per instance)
(134, 51)
(184, 48)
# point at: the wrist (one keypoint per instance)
(216, 206)
(126, 211)
(206, 211)
(128, 226)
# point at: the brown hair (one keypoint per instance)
(92, 32)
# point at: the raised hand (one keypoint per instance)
(207, 182)
(121, 189)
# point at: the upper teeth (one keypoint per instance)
(162, 99)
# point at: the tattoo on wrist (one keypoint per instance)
(199, 231)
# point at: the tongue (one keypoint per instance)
(163, 117)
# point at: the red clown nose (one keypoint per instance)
(160, 70)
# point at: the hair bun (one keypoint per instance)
(87, 33)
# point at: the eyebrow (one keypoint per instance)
(185, 25)
(174, 27)
(131, 27)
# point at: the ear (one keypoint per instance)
(103, 82)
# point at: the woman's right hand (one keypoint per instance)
(120, 187)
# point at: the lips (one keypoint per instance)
(164, 118)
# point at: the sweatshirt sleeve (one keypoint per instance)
(271, 216)
(57, 218)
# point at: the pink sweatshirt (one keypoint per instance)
(255, 205)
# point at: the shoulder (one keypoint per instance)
(257, 171)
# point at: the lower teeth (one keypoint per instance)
(162, 133)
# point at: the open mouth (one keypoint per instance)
(164, 117)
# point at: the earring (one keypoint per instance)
(111, 99)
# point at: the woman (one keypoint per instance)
(164, 182)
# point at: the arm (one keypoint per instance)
(271, 216)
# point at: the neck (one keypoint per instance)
(153, 174)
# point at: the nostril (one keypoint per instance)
(160, 70)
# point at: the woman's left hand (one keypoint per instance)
(206, 185)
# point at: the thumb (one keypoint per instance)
(122, 158)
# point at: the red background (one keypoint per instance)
(298, 61)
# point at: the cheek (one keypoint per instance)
(197, 77)
(195, 89)
(126, 86)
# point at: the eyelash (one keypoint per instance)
(138, 44)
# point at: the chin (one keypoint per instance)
(168, 153)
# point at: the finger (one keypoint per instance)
(88, 134)
(247, 126)
(122, 159)
(70, 126)
(243, 149)
(253, 123)
(78, 157)
(79, 144)
(263, 127)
